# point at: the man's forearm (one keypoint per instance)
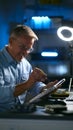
(21, 88)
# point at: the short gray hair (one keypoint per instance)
(23, 30)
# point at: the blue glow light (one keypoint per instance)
(41, 22)
(49, 54)
(58, 69)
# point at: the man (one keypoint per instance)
(18, 81)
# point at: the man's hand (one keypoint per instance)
(51, 84)
(38, 75)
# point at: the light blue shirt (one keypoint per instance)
(11, 74)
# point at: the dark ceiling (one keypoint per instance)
(17, 10)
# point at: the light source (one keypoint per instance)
(49, 54)
(62, 36)
(40, 22)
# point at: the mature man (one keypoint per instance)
(18, 81)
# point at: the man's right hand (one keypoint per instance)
(38, 75)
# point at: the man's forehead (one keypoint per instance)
(26, 38)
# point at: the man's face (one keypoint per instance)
(21, 47)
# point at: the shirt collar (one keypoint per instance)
(8, 56)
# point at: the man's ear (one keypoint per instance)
(11, 40)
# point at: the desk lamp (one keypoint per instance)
(69, 39)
